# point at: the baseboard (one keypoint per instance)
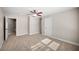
(22, 34)
(34, 33)
(9, 33)
(74, 43)
(1, 44)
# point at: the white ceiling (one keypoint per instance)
(26, 10)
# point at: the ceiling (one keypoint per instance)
(26, 10)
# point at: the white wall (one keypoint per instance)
(21, 25)
(65, 25)
(1, 28)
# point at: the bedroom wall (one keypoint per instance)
(21, 25)
(1, 28)
(65, 26)
(23, 22)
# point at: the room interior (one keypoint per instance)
(39, 29)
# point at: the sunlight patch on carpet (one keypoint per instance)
(54, 45)
(37, 46)
(46, 41)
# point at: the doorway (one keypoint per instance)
(11, 26)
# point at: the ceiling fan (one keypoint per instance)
(36, 13)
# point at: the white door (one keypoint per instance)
(34, 25)
(6, 28)
(21, 25)
(48, 26)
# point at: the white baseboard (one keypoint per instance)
(22, 34)
(74, 43)
(1, 44)
(33, 33)
(9, 33)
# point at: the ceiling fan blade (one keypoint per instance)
(35, 12)
(39, 13)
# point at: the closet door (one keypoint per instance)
(48, 29)
(34, 25)
(21, 25)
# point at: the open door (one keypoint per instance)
(21, 25)
(6, 28)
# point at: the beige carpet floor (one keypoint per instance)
(36, 42)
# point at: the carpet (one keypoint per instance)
(45, 45)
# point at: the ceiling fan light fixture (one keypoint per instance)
(34, 14)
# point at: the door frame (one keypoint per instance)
(6, 26)
(40, 24)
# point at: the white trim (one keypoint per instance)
(74, 43)
(21, 34)
(9, 33)
(1, 44)
(33, 33)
